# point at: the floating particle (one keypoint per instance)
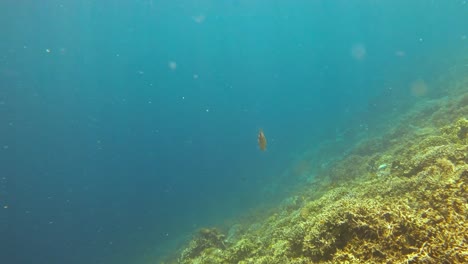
(172, 65)
(418, 88)
(199, 19)
(400, 53)
(358, 51)
(195, 76)
(47, 50)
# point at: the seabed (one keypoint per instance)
(400, 197)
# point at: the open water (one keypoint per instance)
(127, 125)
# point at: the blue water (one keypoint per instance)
(125, 125)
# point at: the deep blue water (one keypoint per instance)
(126, 125)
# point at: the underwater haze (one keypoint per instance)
(127, 125)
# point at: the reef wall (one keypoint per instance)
(397, 198)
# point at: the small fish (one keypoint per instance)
(262, 141)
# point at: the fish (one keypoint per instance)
(262, 141)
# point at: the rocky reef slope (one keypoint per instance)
(398, 198)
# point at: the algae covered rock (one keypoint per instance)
(457, 133)
(207, 242)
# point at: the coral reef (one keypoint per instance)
(398, 198)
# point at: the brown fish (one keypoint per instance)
(262, 141)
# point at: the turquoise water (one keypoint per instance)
(125, 125)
